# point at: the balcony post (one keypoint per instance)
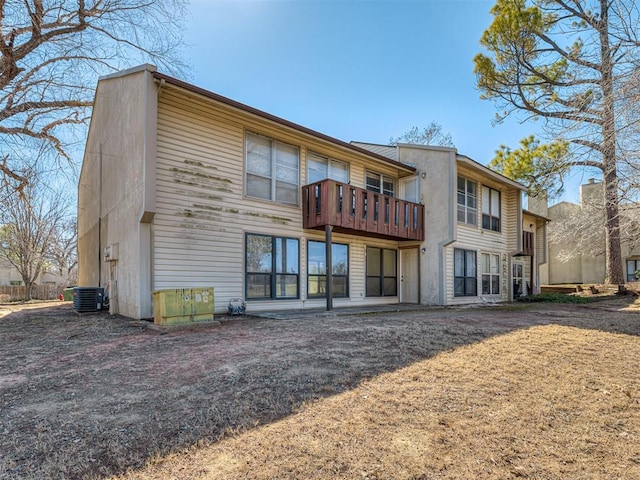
(329, 276)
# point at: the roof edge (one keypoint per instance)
(438, 148)
(267, 116)
(123, 73)
(536, 215)
(498, 176)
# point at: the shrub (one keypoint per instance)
(555, 298)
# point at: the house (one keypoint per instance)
(181, 187)
(9, 276)
(577, 243)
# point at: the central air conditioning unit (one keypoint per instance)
(88, 299)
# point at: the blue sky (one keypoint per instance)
(355, 70)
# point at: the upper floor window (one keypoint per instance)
(376, 182)
(272, 169)
(490, 209)
(467, 201)
(320, 168)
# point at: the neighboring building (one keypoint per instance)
(582, 260)
(9, 276)
(181, 187)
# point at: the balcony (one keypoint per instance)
(527, 244)
(358, 211)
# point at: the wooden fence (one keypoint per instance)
(12, 293)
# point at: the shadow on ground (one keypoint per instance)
(90, 396)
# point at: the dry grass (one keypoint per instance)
(547, 402)
(531, 391)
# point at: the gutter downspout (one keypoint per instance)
(151, 94)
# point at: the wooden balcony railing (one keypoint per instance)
(361, 212)
(528, 247)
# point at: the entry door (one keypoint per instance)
(409, 281)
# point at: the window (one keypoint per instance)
(317, 270)
(271, 267)
(382, 280)
(272, 169)
(491, 274)
(467, 201)
(464, 267)
(15, 283)
(518, 279)
(377, 182)
(320, 168)
(490, 209)
(633, 266)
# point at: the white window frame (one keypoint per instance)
(489, 208)
(382, 179)
(467, 211)
(331, 168)
(518, 280)
(492, 274)
(275, 174)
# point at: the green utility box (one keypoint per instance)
(67, 294)
(182, 306)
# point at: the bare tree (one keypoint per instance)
(28, 227)
(572, 64)
(579, 228)
(50, 54)
(432, 134)
(62, 252)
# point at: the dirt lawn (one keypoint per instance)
(521, 391)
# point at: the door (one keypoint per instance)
(409, 279)
(409, 189)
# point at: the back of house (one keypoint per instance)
(183, 188)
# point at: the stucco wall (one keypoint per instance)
(112, 186)
(583, 268)
(437, 193)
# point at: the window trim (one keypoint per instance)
(490, 215)
(334, 275)
(465, 206)
(383, 276)
(465, 293)
(273, 274)
(273, 177)
(489, 274)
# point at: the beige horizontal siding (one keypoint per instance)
(480, 240)
(203, 215)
